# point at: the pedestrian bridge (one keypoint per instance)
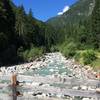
(70, 82)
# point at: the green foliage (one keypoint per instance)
(78, 11)
(96, 24)
(32, 53)
(80, 24)
(89, 56)
(7, 33)
(68, 49)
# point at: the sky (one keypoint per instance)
(45, 9)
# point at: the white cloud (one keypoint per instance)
(60, 13)
(66, 8)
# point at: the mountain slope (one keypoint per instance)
(79, 11)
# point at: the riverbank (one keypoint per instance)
(79, 71)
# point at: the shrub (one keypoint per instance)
(31, 54)
(89, 56)
(69, 50)
(35, 52)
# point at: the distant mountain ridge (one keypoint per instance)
(78, 11)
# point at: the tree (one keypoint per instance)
(7, 22)
(20, 21)
(20, 26)
(7, 32)
(31, 28)
(96, 24)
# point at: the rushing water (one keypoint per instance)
(50, 69)
(55, 65)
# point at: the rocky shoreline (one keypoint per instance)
(79, 71)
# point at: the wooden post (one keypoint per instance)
(13, 83)
(98, 87)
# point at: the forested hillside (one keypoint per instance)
(75, 24)
(22, 37)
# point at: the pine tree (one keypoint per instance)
(20, 21)
(31, 27)
(21, 26)
(96, 24)
(7, 22)
(7, 32)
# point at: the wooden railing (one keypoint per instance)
(16, 95)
